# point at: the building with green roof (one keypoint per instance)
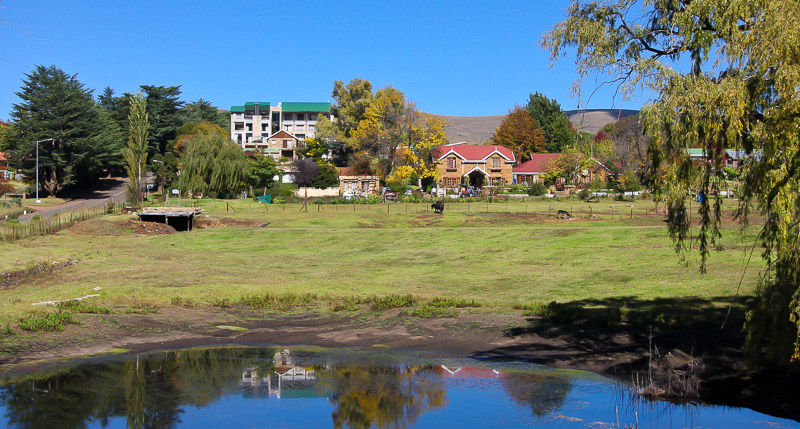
(253, 122)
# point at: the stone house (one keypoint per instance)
(359, 184)
(474, 164)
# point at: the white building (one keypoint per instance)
(253, 123)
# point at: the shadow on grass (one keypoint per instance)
(614, 336)
(620, 330)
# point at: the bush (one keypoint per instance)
(731, 173)
(537, 189)
(50, 322)
(584, 194)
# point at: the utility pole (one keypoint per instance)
(37, 167)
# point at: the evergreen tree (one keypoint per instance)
(558, 132)
(163, 109)
(202, 110)
(55, 105)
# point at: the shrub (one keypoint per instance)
(81, 307)
(51, 322)
(279, 302)
(392, 301)
(537, 189)
(584, 194)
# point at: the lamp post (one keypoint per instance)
(37, 167)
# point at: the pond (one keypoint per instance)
(313, 387)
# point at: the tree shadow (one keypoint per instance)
(617, 336)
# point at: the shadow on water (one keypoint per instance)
(620, 333)
(240, 386)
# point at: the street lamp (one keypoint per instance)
(37, 167)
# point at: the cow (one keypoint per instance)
(563, 214)
(438, 207)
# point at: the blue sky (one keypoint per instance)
(465, 58)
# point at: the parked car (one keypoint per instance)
(390, 195)
(350, 195)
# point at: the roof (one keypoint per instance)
(474, 152)
(252, 104)
(294, 106)
(237, 109)
(288, 134)
(536, 164)
(345, 171)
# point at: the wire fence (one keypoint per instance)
(55, 223)
(602, 210)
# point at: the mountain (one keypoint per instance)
(478, 129)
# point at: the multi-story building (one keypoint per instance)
(259, 125)
(460, 163)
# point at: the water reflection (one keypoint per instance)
(341, 389)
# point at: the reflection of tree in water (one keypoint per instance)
(542, 393)
(385, 396)
(147, 390)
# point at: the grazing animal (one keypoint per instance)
(438, 207)
(563, 214)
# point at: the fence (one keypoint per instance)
(604, 210)
(55, 223)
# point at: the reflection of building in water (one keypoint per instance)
(284, 380)
(444, 371)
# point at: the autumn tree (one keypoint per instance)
(738, 89)
(351, 103)
(520, 132)
(385, 127)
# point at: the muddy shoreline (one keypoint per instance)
(724, 375)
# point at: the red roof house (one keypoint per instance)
(529, 171)
(474, 164)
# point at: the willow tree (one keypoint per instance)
(726, 75)
(135, 154)
(213, 165)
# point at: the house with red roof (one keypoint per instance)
(530, 172)
(6, 172)
(474, 164)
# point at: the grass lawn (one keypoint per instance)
(501, 255)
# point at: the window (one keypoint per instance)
(451, 163)
(451, 181)
(287, 116)
(301, 117)
(495, 163)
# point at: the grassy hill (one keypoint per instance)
(477, 129)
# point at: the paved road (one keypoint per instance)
(107, 191)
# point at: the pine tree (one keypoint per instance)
(57, 108)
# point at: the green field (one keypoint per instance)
(501, 255)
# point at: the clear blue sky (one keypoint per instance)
(465, 58)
